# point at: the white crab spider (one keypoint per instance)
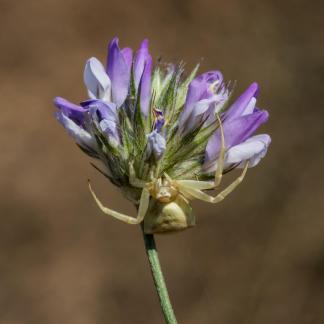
(169, 209)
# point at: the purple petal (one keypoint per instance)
(200, 112)
(104, 110)
(156, 145)
(235, 132)
(69, 109)
(80, 135)
(110, 128)
(241, 106)
(199, 89)
(128, 57)
(158, 119)
(195, 91)
(211, 77)
(86, 103)
(221, 97)
(118, 72)
(107, 116)
(141, 57)
(145, 87)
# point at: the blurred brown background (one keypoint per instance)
(258, 257)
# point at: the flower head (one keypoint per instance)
(152, 122)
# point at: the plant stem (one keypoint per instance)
(158, 278)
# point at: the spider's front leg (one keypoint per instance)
(142, 209)
(221, 158)
(194, 188)
(204, 185)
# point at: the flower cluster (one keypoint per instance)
(161, 121)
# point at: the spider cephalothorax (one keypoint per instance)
(163, 189)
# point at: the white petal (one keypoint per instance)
(249, 107)
(252, 150)
(109, 127)
(198, 112)
(80, 135)
(96, 80)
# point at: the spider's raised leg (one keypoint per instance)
(203, 185)
(221, 158)
(142, 209)
(198, 194)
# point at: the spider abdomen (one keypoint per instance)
(168, 217)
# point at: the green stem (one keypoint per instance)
(158, 278)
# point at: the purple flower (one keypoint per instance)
(145, 88)
(72, 118)
(102, 110)
(107, 117)
(111, 130)
(130, 83)
(239, 124)
(142, 76)
(97, 80)
(78, 133)
(140, 59)
(74, 112)
(205, 97)
(119, 64)
(158, 119)
(156, 145)
(245, 104)
(252, 150)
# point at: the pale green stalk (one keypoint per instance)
(158, 278)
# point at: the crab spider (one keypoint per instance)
(169, 209)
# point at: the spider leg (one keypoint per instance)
(198, 194)
(196, 184)
(185, 196)
(203, 185)
(133, 180)
(142, 209)
(221, 158)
